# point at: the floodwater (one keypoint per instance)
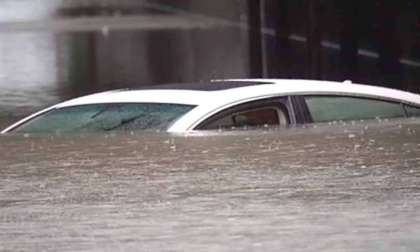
(328, 188)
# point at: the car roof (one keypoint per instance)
(232, 91)
(210, 98)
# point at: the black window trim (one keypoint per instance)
(303, 116)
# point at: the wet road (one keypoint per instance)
(343, 188)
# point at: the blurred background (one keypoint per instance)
(51, 50)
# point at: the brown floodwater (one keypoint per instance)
(325, 188)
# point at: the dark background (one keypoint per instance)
(373, 42)
(51, 50)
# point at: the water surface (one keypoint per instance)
(329, 188)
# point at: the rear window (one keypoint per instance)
(106, 117)
(412, 111)
(336, 108)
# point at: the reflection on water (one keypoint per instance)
(27, 72)
(52, 50)
(320, 189)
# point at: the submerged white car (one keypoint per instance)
(228, 104)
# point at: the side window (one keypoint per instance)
(335, 108)
(248, 115)
(412, 111)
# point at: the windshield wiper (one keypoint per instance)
(106, 108)
(124, 122)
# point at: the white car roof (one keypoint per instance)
(229, 95)
(220, 100)
(218, 95)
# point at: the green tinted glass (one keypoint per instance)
(412, 111)
(106, 117)
(335, 108)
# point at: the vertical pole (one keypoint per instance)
(255, 44)
(313, 34)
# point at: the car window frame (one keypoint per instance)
(308, 117)
(282, 103)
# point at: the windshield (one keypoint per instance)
(105, 117)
